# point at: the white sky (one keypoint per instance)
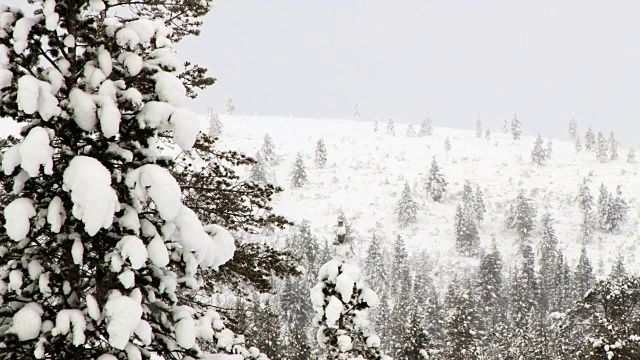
(545, 59)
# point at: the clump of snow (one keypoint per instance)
(344, 286)
(191, 235)
(50, 15)
(26, 322)
(169, 88)
(123, 315)
(223, 242)
(157, 183)
(333, 311)
(132, 248)
(17, 217)
(94, 201)
(109, 116)
(185, 328)
(28, 90)
(68, 318)
(21, 31)
(127, 279)
(158, 253)
(35, 151)
(77, 251)
(373, 341)
(84, 109)
(93, 310)
(344, 343)
(55, 214)
(185, 126)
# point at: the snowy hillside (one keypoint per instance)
(366, 170)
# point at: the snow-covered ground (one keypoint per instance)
(366, 170)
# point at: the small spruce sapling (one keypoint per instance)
(230, 107)
(478, 127)
(299, 173)
(391, 128)
(516, 127)
(320, 154)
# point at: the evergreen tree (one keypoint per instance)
(400, 275)
(584, 197)
(505, 126)
(215, 125)
(376, 122)
(602, 148)
(356, 112)
(426, 128)
(491, 299)
(516, 127)
(613, 147)
(631, 155)
(618, 270)
(230, 108)
(521, 216)
(549, 255)
(590, 140)
(584, 277)
(258, 173)
(399, 325)
(407, 208)
(320, 154)
(467, 237)
(268, 151)
(538, 154)
(350, 235)
(577, 144)
(604, 207)
(410, 131)
(618, 210)
(341, 303)
(573, 129)
(478, 127)
(462, 343)
(375, 266)
(604, 323)
(525, 292)
(549, 150)
(267, 329)
(436, 183)
(479, 208)
(447, 146)
(487, 134)
(391, 128)
(91, 265)
(587, 227)
(298, 174)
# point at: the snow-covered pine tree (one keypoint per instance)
(573, 129)
(428, 126)
(447, 146)
(487, 134)
(268, 150)
(505, 126)
(462, 342)
(549, 150)
(266, 330)
(391, 128)
(538, 154)
(614, 146)
(400, 274)
(589, 140)
(424, 128)
(577, 144)
(521, 216)
(320, 154)
(215, 125)
(604, 207)
(410, 131)
(478, 127)
(607, 321)
(618, 269)
(479, 208)
(376, 123)
(631, 155)
(230, 107)
(467, 237)
(584, 197)
(97, 236)
(618, 210)
(299, 172)
(374, 266)
(584, 277)
(491, 298)
(406, 208)
(341, 302)
(356, 112)
(258, 173)
(548, 250)
(516, 127)
(436, 183)
(525, 291)
(602, 148)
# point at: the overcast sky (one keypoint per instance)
(546, 60)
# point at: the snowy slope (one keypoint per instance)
(366, 171)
